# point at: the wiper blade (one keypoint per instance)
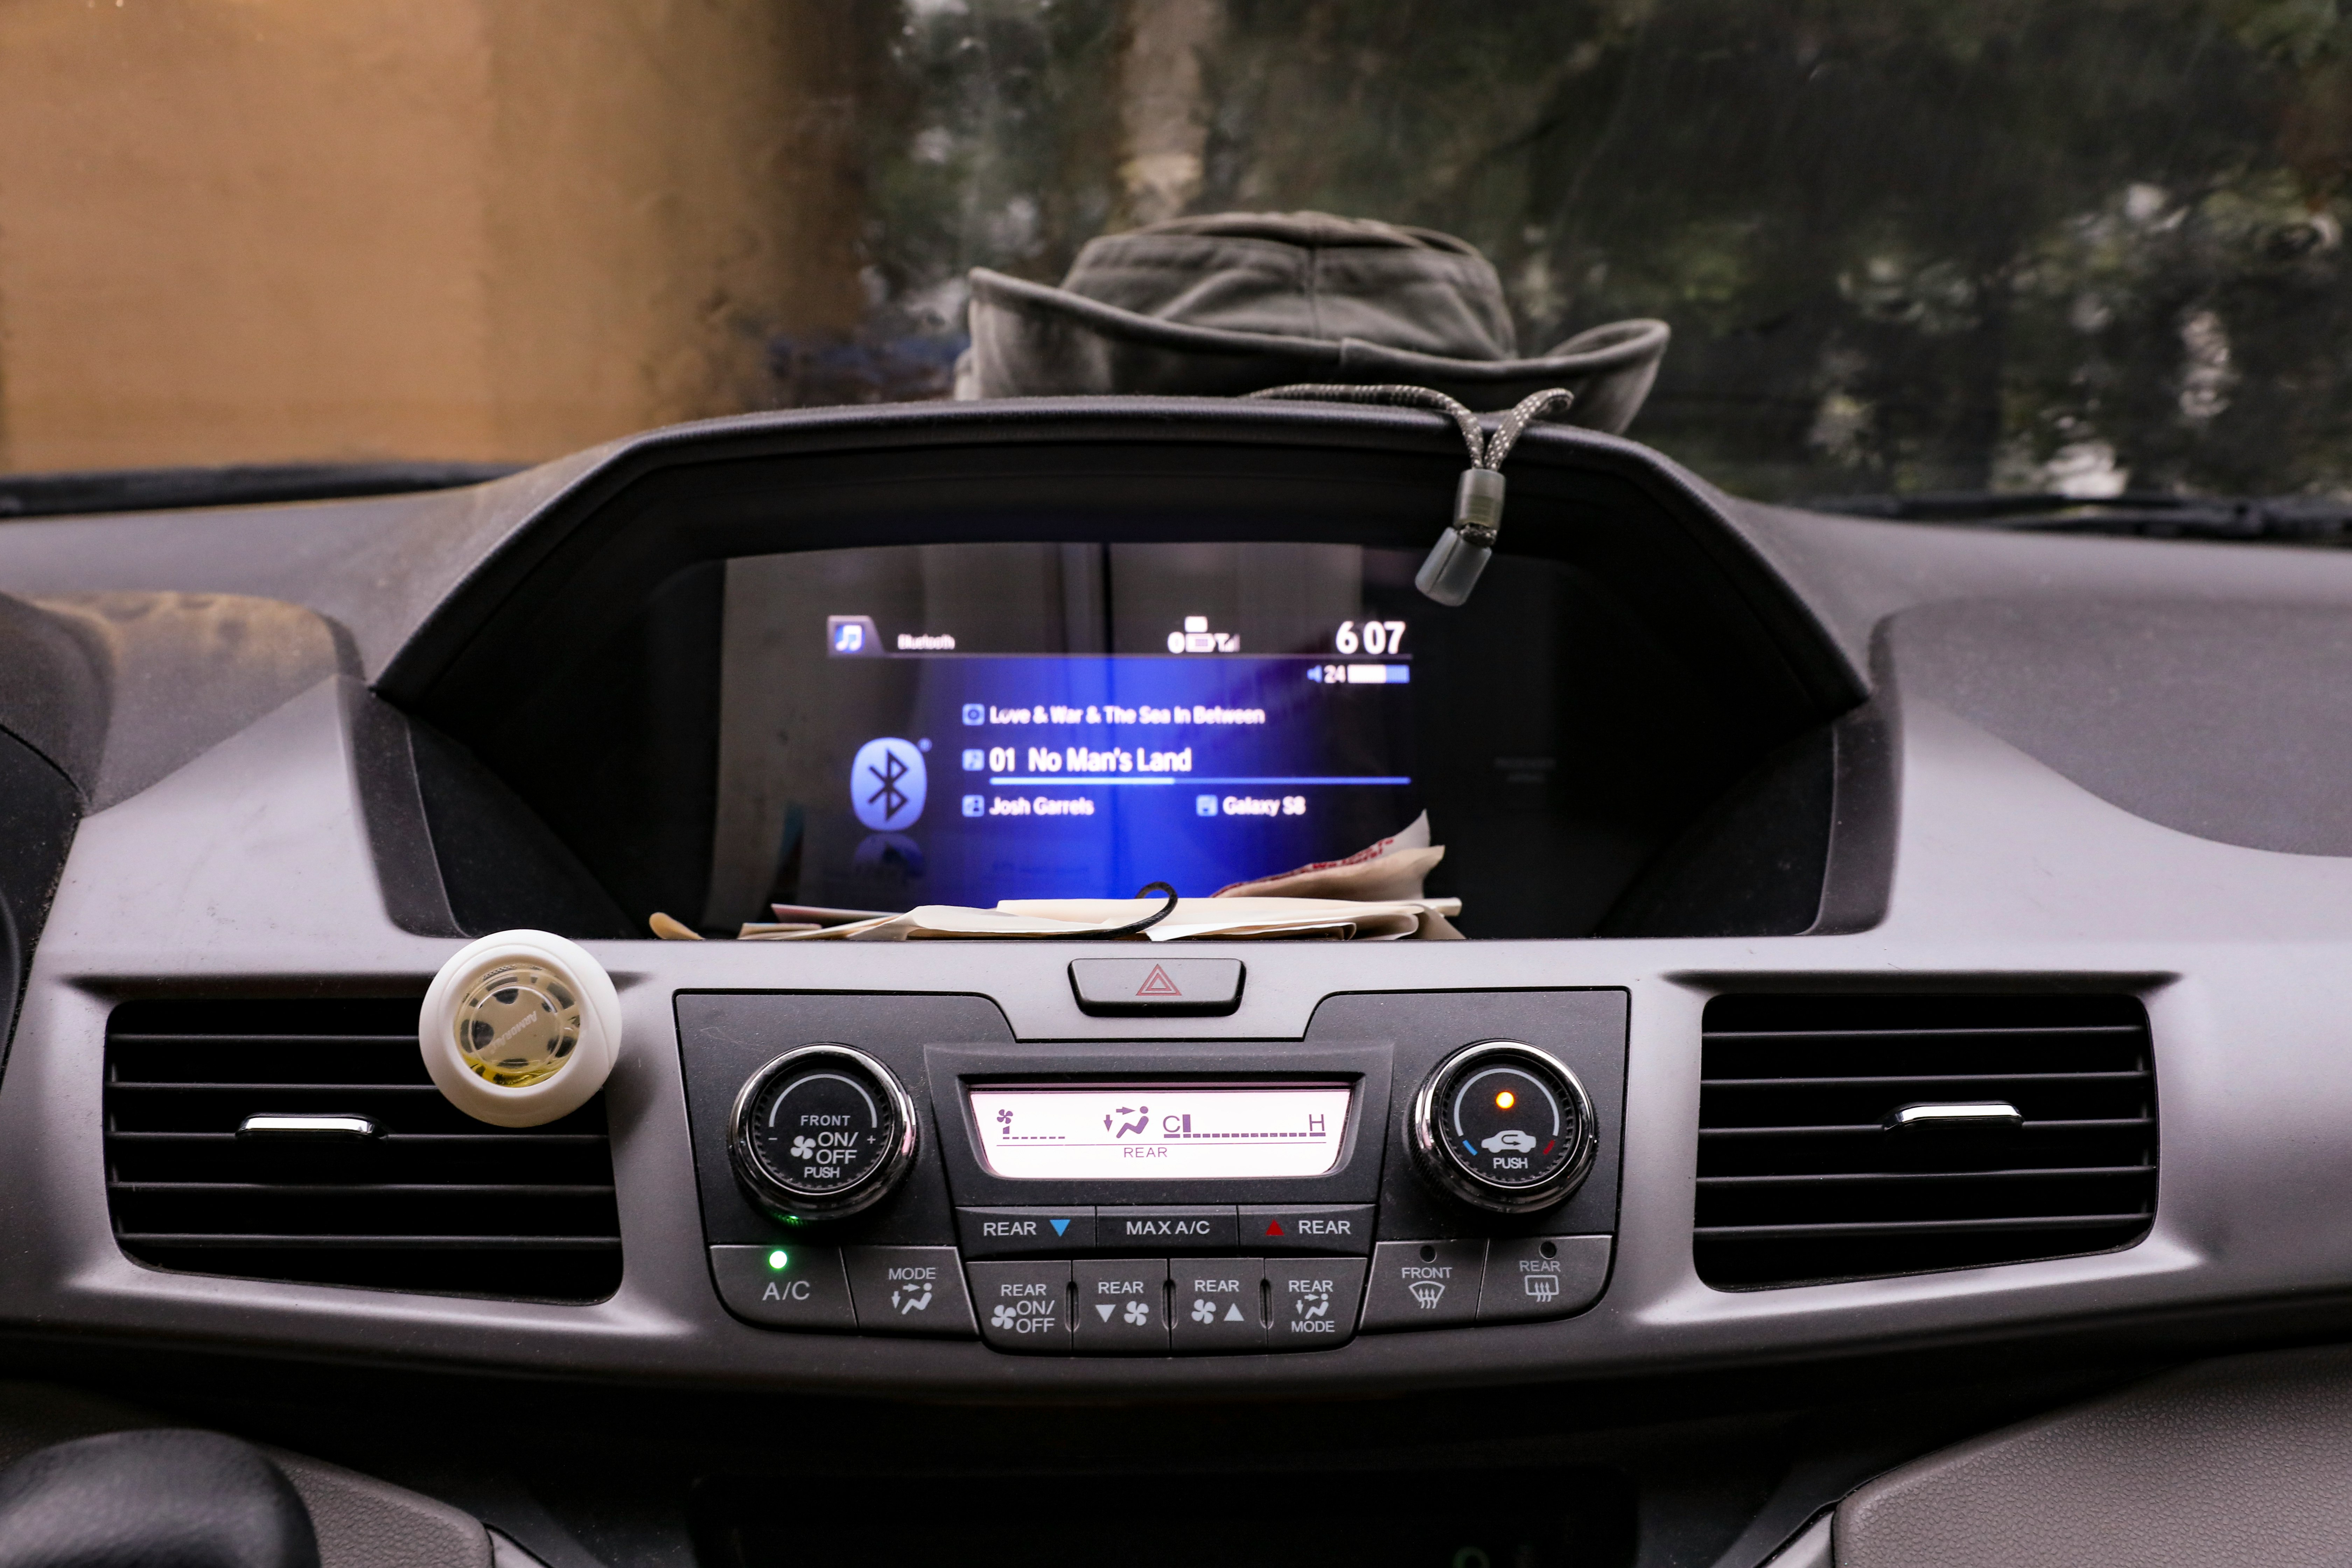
(243, 484)
(2311, 519)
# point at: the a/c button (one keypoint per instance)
(785, 1287)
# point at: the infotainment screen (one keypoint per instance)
(1134, 1132)
(966, 724)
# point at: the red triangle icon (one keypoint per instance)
(1157, 984)
(1274, 1228)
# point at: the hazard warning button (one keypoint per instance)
(1306, 1227)
(1167, 985)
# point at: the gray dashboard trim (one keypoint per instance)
(2240, 1461)
(248, 871)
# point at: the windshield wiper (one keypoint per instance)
(2301, 519)
(243, 484)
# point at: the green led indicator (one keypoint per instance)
(778, 1260)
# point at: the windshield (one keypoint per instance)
(2080, 246)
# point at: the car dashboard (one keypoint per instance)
(1901, 1016)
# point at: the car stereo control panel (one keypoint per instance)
(899, 1165)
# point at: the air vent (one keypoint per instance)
(1810, 1170)
(397, 1192)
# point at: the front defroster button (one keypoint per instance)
(1315, 1301)
(1424, 1284)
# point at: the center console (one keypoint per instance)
(900, 1164)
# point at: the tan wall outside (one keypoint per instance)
(259, 231)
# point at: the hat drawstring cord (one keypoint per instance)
(1462, 552)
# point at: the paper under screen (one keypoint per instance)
(1130, 1132)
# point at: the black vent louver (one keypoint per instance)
(438, 1202)
(1801, 1178)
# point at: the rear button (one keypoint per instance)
(1023, 1306)
(1532, 1278)
(1215, 1304)
(1313, 1227)
(1120, 1307)
(1315, 1301)
(1025, 1232)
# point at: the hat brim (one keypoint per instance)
(1031, 340)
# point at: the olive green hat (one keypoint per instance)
(1238, 302)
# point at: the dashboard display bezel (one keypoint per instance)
(1365, 1069)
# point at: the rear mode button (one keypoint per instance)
(1315, 1301)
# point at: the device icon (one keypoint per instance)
(888, 781)
(1509, 1140)
(1204, 805)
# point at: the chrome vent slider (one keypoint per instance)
(274, 1124)
(1980, 1113)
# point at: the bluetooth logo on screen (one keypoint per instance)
(886, 784)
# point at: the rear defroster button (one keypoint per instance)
(1531, 1278)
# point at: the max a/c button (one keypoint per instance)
(1168, 985)
(1198, 1227)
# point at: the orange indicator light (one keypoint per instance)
(1505, 1099)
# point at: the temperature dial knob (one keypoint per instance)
(822, 1131)
(1504, 1126)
